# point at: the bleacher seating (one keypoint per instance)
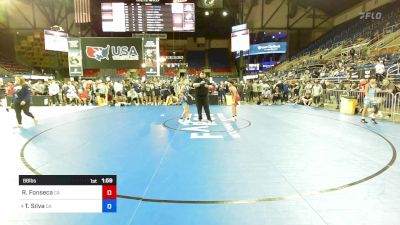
(171, 72)
(196, 59)
(11, 67)
(219, 60)
(192, 71)
(351, 30)
(30, 49)
(372, 39)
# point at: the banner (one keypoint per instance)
(253, 67)
(268, 65)
(75, 57)
(266, 48)
(151, 56)
(112, 52)
(366, 74)
(355, 75)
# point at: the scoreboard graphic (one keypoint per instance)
(67, 193)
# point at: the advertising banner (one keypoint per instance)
(75, 57)
(151, 56)
(266, 48)
(112, 52)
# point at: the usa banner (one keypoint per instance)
(112, 53)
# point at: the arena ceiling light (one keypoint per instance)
(207, 13)
(224, 13)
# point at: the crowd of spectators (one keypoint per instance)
(264, 91)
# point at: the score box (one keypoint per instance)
(67, 193)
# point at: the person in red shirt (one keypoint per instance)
(10, 89)
(83, 97)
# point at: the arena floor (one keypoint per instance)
(276, 165)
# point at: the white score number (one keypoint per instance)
(107, 180)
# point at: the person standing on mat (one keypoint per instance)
(183, 96)
(22, 100)
(235, 99)
(201, 85)
(370, 92)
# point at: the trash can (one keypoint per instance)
(348, 104)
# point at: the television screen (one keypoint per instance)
(240, 41)
(55, 41)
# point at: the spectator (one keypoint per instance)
(120, 99)
(267, 97)
(276, 95)
(72, 94)
(249, 91)
(132, 96)
(102, 90)
(3, 91)
(240, 88)
(285, 92)
(54, 90)
(10, 89)
(221, 93)
(389, 88)
(379, 70)
(306, 99)
(352, 54)
(317, 91)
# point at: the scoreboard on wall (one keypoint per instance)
(137, 17)
(67, 193)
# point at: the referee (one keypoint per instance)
(201, 85)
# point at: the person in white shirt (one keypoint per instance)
(267, 96)
(54, 90)
(317, 92)
(132, 96)
(118, 87)
(72, 94)
(379, 70)
(103, 90)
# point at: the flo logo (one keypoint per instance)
(370, 15)
(117, 52)
(97, 53)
